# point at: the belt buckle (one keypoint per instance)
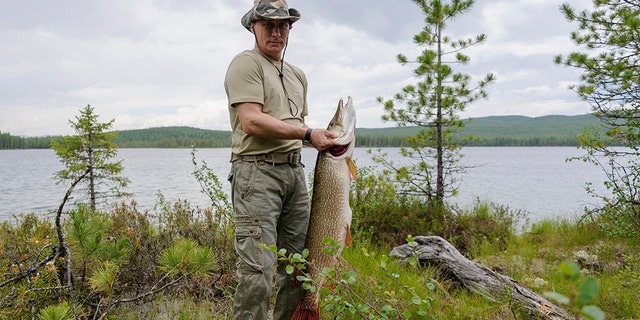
(294, 158)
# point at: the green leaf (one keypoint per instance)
(570, 270)
(290, 269)
(560, 298)
(593, 312)
(413, 261)
(588, 290)
(303, 278)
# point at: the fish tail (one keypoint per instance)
(305, 314)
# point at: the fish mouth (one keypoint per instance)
(343, 125)
(339, 150)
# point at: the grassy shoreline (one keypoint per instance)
(531, 257)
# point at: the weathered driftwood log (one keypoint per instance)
(478, 278)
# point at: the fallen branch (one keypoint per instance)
(478, 278)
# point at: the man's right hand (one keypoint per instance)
(322, 139)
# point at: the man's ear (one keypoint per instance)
(251, 29)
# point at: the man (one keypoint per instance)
(267, 106)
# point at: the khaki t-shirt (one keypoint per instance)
(252, 77)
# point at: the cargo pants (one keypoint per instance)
(271, 206)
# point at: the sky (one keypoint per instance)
(156, 63)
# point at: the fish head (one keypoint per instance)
(343, 124)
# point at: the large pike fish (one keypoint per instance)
(330, 210)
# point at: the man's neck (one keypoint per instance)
(268, 56)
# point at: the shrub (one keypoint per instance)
(117, 258)
(486, 227)
(385, 218)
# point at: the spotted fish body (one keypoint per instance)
(330, 210)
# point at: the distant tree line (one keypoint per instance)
(7, 141)
(515, 131)
(166, 137)
(372, 140)
(173, 137)
(378, 141)
(546, 141)
(157, 138)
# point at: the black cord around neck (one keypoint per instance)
(281, 74)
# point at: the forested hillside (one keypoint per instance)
(488, 131)
(496, 131)
(173, 137)
(525, 131)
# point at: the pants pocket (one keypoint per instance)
(248, 244)
(242, 178)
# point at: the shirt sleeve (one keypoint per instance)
(305, 108)
(244, 80)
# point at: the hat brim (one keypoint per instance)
(252, 16)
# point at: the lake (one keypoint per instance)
(537, 180)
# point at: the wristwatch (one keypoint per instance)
(307, 136)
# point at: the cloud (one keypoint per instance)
(162, 62)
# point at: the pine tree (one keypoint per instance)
(610, 83)
(434, 103)
(89, 152)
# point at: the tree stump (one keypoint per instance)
(478, 278)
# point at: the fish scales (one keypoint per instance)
(330, 203)
(330, 211)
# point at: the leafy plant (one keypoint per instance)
(347, 294)
(211, 186)
(62, 311)
(580, 298)
(187, 258)
(104, 278)
(629, 275)
(87, 235)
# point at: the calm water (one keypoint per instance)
(536, 179)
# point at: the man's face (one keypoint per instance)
(271, 36)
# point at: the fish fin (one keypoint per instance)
(352, 169)
(347, 237)
(305, 314)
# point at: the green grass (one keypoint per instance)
(532, 258)
(485, 233)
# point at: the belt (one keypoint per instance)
(292, 157)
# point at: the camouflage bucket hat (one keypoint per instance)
(270, 9)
